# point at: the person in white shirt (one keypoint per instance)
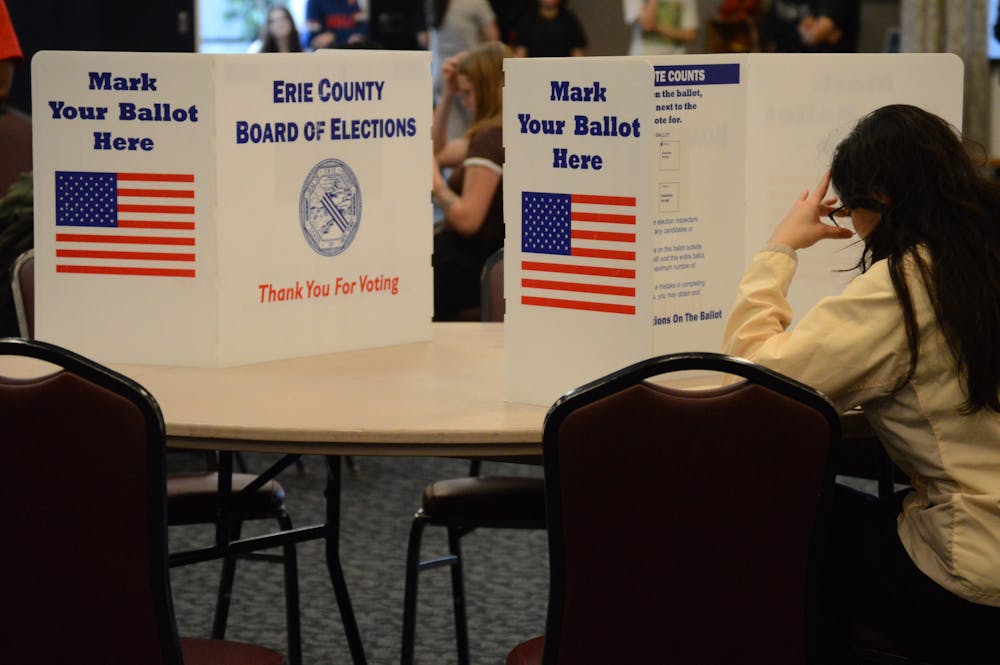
(661, 27)
(915, 340)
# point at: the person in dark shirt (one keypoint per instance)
(335, 23)
(551, 30)
(832, 26)
(398, 24)
(508, 13)
(813, 26)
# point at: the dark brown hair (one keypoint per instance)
(268, 43)
(940, 212)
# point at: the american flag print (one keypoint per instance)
(125, 223)
(578, 252)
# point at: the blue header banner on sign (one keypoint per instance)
(723, 74)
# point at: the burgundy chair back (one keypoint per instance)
(683, 525)
(85, 570)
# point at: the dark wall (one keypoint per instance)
(97, 25)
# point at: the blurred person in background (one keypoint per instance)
(735, 27)
(16, 191)
(10, 53)
(550, 30)
(508, 13)
(398, 24)
(15, 149)
(336, 23)
(812, 26)
(456, 26)
(278, 34)
(472, 196)
(662, 27)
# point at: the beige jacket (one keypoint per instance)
(852, 347)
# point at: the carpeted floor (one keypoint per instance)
(506, 571)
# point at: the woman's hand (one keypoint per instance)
(803, 226)
(449, 73)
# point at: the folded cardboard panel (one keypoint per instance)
(222, 209)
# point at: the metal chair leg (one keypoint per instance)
(292, 616)
(410, 593)
(458, 595)
(333, 565)
(225, 590)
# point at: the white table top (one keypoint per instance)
(443, 397)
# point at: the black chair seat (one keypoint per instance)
(192, 496)
(464, 505)
(486, 498)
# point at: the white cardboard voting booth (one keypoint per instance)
(637, 189)
(222, 209)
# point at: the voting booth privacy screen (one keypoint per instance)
(636, 190)
(222, 209)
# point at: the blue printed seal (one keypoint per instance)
(330, 207)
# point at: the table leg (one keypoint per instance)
(333, 560)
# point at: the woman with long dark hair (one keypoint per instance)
(915, 340)
(278, 34)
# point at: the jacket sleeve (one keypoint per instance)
(851, 347)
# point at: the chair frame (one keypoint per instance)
(156, 471)
(228, 524)
(457, 527)
(226, 519)
(18, 285)
(487, 286)
(636, 374)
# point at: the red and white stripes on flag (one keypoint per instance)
(578, 252)
(125, 223)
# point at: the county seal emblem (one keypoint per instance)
(330, 207)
